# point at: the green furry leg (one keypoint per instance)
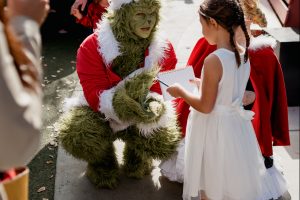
(161, 144)
(87, 136)
(135, 166)
(104, 173)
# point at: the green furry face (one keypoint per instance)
(136, 20)
(133, 26)
(143, 22)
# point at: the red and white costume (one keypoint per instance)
(93, 16)
(99, 82)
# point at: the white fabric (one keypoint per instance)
(222, 156)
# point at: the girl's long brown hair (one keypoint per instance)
(28, 74)
(229, 14)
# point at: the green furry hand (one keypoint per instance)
(128, 109)
(139, 85)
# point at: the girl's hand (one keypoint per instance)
(175, 90)
(76, 13)
(248, 98)
(196, 81)
(77, 3)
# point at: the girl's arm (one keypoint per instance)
(87, 20)
(212, 73)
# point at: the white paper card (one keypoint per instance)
(180, 76)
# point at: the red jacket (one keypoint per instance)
(95, 76)
(271, 116)
(94, 14)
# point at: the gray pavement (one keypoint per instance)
(183, 29)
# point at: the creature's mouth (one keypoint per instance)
(146, 29)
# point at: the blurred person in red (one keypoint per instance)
(21, 94)
(95, 11)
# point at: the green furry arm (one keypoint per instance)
(131, 102)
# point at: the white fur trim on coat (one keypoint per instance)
(106, 107)
(147, 129)
(74, 101)
(262, 41)
(108, 46)
(157, 50)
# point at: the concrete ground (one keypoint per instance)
(183, 29)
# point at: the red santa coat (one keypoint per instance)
(98, 81)
(94, 14)
(271, 116)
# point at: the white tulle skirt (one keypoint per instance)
(222, 161)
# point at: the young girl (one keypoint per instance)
(222, 157)
(266, 79)
(94, 14)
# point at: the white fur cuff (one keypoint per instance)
(147, 129)
(106, 107)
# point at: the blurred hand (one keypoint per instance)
(77, 3)
(76, 13)
(35, 9)
(175, 90)
(248, 98)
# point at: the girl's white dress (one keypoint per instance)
(222, 158)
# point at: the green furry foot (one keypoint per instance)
(135, 166)
(103, 178)
(138, 171)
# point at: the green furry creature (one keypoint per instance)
(117, 66)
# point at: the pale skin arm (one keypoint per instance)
(212, 73)
(76, 13)
(77, 3)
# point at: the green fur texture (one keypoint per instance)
(131, 46)
(136, 166)
(104, 173)
(130, 102)
(160, 145)
(84, 132)
(87, 135)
